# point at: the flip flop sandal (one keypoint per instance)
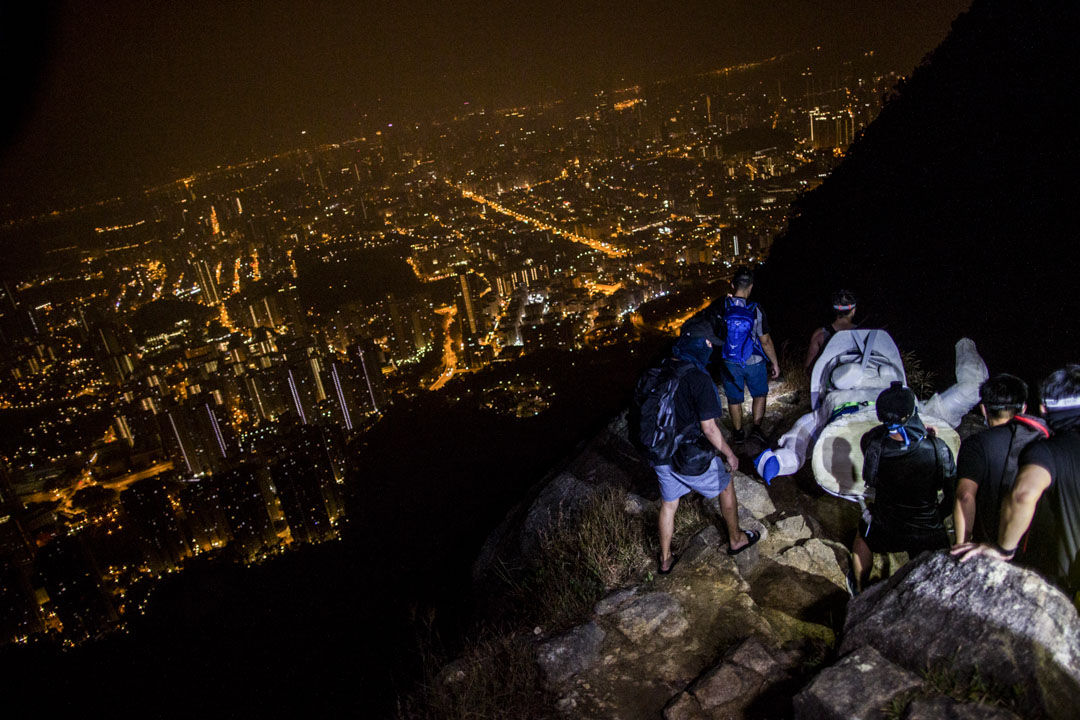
(752, 537)
(662, 571)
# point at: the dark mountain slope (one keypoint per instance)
(954, 212)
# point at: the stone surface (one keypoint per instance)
(861, 686)
(637, 505)
(655, 612)
(563, 496)
(790, 629)
(943, 708)
(567, 655)
(726, 690)
(816, 558)
(1003, 620)
(613, 601)
(792, 528)
(752, 495)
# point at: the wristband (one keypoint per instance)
(1008, 554)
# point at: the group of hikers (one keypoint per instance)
(1013, 491)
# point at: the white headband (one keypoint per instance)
(1063, 403)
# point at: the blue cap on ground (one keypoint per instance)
(767, 466)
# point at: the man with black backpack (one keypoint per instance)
(988, 462)
(906, 466)
(745, 346)
(673, 423)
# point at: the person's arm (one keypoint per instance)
(817, 340)
(1017, 510)
(712, 431)
(964, 510)
(770, 352)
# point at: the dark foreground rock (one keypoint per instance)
(984, 622)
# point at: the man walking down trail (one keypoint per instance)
(697, 403)
(746, 345)
(988, 462)
(1051, 469)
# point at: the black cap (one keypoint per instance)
(701, 328)
(896, 404)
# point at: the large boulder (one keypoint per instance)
(983, 618)
(862, 685)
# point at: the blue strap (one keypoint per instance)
(898, 428)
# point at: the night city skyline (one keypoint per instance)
(110, 102)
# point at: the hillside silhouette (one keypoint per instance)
(952, 214)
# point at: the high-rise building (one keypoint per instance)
(831, 129)
(20, 615)
(73, 583)
(149, 506)
(366, 361)
(472, 320)
(203, 519)
(307, 479)
(243, 491)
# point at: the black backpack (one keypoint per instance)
(652, 413)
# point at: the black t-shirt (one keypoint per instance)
(982, 460)
(908, 481)
(1060, 456)
(696, 399)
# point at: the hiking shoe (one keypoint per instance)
(757, 434)
(738, 435)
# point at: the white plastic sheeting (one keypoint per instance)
(854, 367)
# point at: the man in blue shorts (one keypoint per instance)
(745, 346)
(696, 401)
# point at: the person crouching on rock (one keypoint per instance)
(698, 403)
(906, 466)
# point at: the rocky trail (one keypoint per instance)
(772, 633)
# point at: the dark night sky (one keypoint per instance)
(111, 95)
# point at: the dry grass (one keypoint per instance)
(791, 359)
(919, 379)
(943, 680)
(496, 676)
(582, 557)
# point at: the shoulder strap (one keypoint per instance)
(1030, 428)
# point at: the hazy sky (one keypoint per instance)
(110, 95)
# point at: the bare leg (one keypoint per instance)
(667, 529)
(729, 510)
(736, 414)
(862, 561)
(758, 406)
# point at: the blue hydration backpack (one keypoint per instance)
(652, 413)
(739, 340)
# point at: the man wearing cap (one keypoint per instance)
(843, 305)
(907, 467)
(1049, 469)
(697, 403)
